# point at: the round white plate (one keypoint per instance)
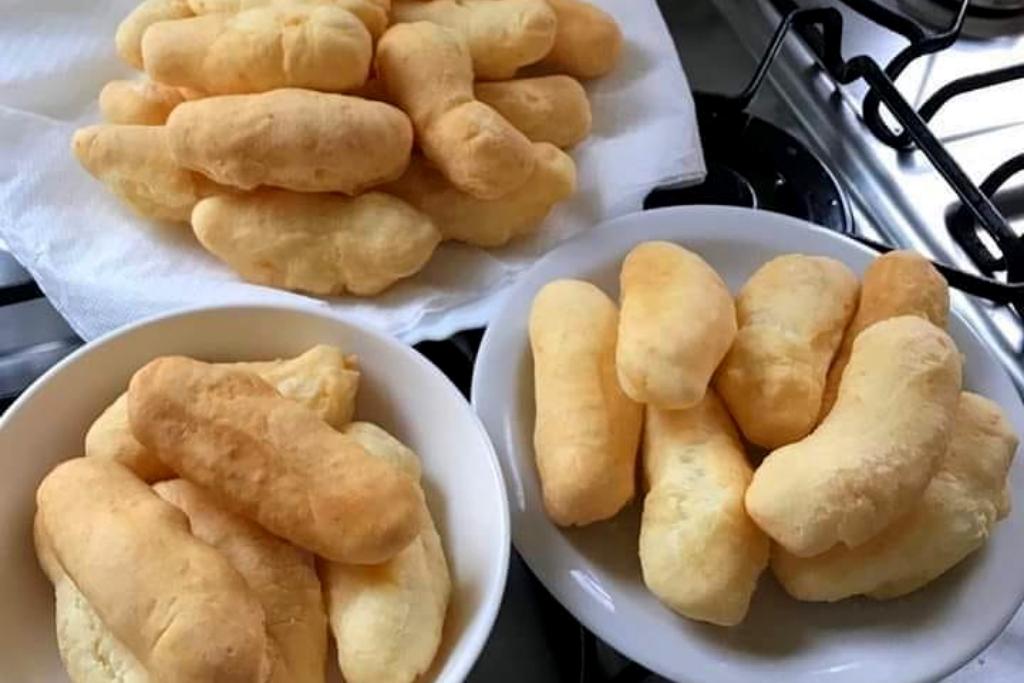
(595, 573)
(399, 389)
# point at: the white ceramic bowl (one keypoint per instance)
(400, 390)
(595, 571)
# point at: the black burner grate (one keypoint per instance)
(965, 229)
(737, 176)
(821, 29)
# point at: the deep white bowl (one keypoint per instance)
(595, 571)
(399, 390)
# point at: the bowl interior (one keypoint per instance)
(399, 390)
(595, 571)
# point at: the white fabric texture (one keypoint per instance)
(103, 267)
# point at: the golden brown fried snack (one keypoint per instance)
(282, 577)
(130, 31)
(587, 430)
(323, 379)
(488, 223)
(319, 243)
(388, 619)
(89, 650)
(135, 163)
(380, 444)
(677, 323)
(319, 47)
(174, 602)
(143, 103)
(870, 460)
(427, 71)
(373, 13)
(588, 43)
(897, 283)
(272, 460)
(953, 518)
(501, 36)
(551, 109)
(110, 438)
(296, 139)
(700, 552)
(791, 313)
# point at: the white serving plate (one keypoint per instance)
(595, 571)
(399, 390)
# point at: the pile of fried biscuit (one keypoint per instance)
(329, 146)
(225, 516)
(881, 471)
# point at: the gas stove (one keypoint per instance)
(784, 135)
(896, 192)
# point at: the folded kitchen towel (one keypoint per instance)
(103, 267)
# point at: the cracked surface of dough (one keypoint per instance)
(174, 602)
(677, 322)
(90, 652)
(143, 103)
(272, 460)
(870, 460)
(282, 577)
(700, 552)
(373, 13)
(954, 517)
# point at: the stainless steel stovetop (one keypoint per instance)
(899, 195)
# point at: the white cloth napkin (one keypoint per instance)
(103, 267)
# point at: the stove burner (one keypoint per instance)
(752, 163)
